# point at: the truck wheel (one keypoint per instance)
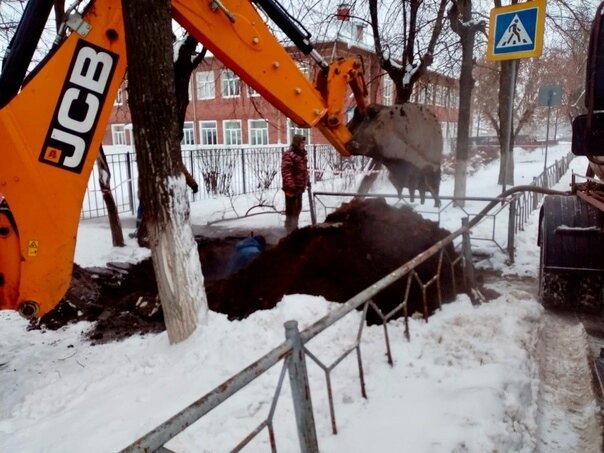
(571, 258)
(554, 290)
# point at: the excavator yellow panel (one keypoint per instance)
(10, 260)
(50, 140)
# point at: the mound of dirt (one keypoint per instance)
(357, 245)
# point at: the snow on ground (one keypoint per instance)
(470, 380)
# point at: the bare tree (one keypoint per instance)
(460, 18)
(567, 20)
(400, 54)
(117, 234)
(571, 23)
(408, 66)
(185, 62)
(187, 59)
(154, 117)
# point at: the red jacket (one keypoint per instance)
(294, 170)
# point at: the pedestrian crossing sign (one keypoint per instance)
(516, 31)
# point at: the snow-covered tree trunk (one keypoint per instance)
(163, 192)
(177, 266)
(460, 17)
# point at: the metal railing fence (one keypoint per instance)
(294, 350)
(523, 203)
(517, 207)
(219, 171)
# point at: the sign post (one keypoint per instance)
(549, 95)
(515, 32)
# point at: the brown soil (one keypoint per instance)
(358, 244)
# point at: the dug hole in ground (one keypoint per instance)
(502, 376)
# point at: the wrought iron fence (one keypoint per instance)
(219, 171)
(523, 203)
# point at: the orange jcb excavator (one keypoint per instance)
(53, 120)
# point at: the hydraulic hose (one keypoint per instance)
(22, 47)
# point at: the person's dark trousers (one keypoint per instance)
(293, 207)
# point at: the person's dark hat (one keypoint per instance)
(297, 139)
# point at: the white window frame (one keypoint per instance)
(254, 132)
(453, 98)
(429, 94)
(421, 94)
(208, 129)
(387, 94)
(188, 133)
(293, 128)
(437, 94)
(227, 132)
(118, 134)
(230, 84)
(206, 85)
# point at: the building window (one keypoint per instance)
(206, 86)
(118, 134)
(437, 95)
(292, 129)
(454, 99)
(258, 132)
(209, 132)
(230, 84)
(119, 98)
(421, 95)
(188, 133)
(429, 98)
(232, 132)
(387, 90)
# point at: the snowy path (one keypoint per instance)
(568, 419)
(568, 410)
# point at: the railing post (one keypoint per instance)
(314, 164)
(191, 161)
(311, 205)
(511, 229)
(298, 379)
(535, 196)
(243, 169)
(466, 248)
(130, 184)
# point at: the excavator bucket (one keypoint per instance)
(407, 139)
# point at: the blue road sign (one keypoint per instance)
(516, 31)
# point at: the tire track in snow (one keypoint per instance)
(568, 419)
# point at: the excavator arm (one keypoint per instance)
(247, 46)
(52, 124)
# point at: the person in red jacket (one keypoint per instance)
(294, 173)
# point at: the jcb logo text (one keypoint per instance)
(80, 104)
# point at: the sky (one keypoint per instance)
(472, 379)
